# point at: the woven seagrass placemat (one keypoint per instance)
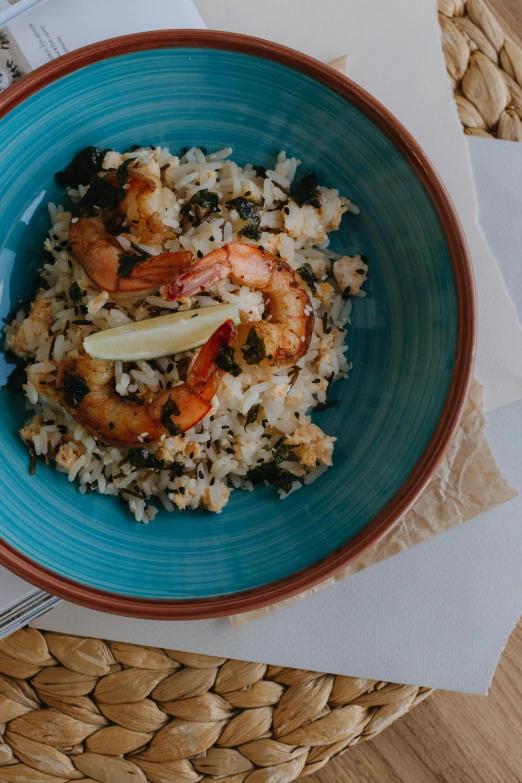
(85, 709)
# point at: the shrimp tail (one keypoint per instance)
(153, 271)
(201, 276)
(179, 409)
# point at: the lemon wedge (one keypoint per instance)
(162, 336)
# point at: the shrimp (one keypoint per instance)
(287, 332)
(85, 388)
(101, 255)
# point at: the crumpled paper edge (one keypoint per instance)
(467, 483)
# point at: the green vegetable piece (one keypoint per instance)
(254, 349)
(305, 192)
(81, 170)
(142, 457)
(248, 210)
(75, 389)
(226, 360)
(273, 474)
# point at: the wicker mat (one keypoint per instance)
(113, 712)
(85, 709)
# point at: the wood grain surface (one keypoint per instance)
(451, 737)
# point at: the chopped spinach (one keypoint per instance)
(207, 199)
(101, 194)
(308, 276)
(305, 192)
(81, 170)
(254, 349)
(170, 409)
(281, 452)
(141, 457)
(74, 389)
(226, 360)
(273, 474)
(248, 210)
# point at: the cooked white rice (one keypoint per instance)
(218, 454)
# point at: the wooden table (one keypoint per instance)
(451, 737)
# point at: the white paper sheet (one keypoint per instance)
(437, 615)
(55, 27)
(395, 53)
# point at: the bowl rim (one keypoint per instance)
(398, 505)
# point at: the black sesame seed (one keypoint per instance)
(111, 425)
(200, 254)
(360, 271)
(170, 367)
(297, 415)
(201, 474)
(212, 239)
(248, 193)
(181, 490)
(212, 481)
(316, 380)
(286, 211)
(191, 455)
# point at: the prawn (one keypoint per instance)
(287, 332)
(85, 388)
(101, 255)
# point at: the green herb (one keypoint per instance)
(281, 452)
(81, 170)
(74, 390)
(170, 409)
(308, 276)
(143, 458)
(207, 199)
(305, 192)
(127, 265)
(254, 349)
(226, 360)
(249, 231)
(252, 414)
(248, 210)
(101, 194)
(273, 474)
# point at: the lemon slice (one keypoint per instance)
(162, 336)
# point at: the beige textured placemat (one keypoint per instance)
(467, 483)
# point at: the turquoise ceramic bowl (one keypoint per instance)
(411, 341)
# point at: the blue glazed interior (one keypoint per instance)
(402, 339)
